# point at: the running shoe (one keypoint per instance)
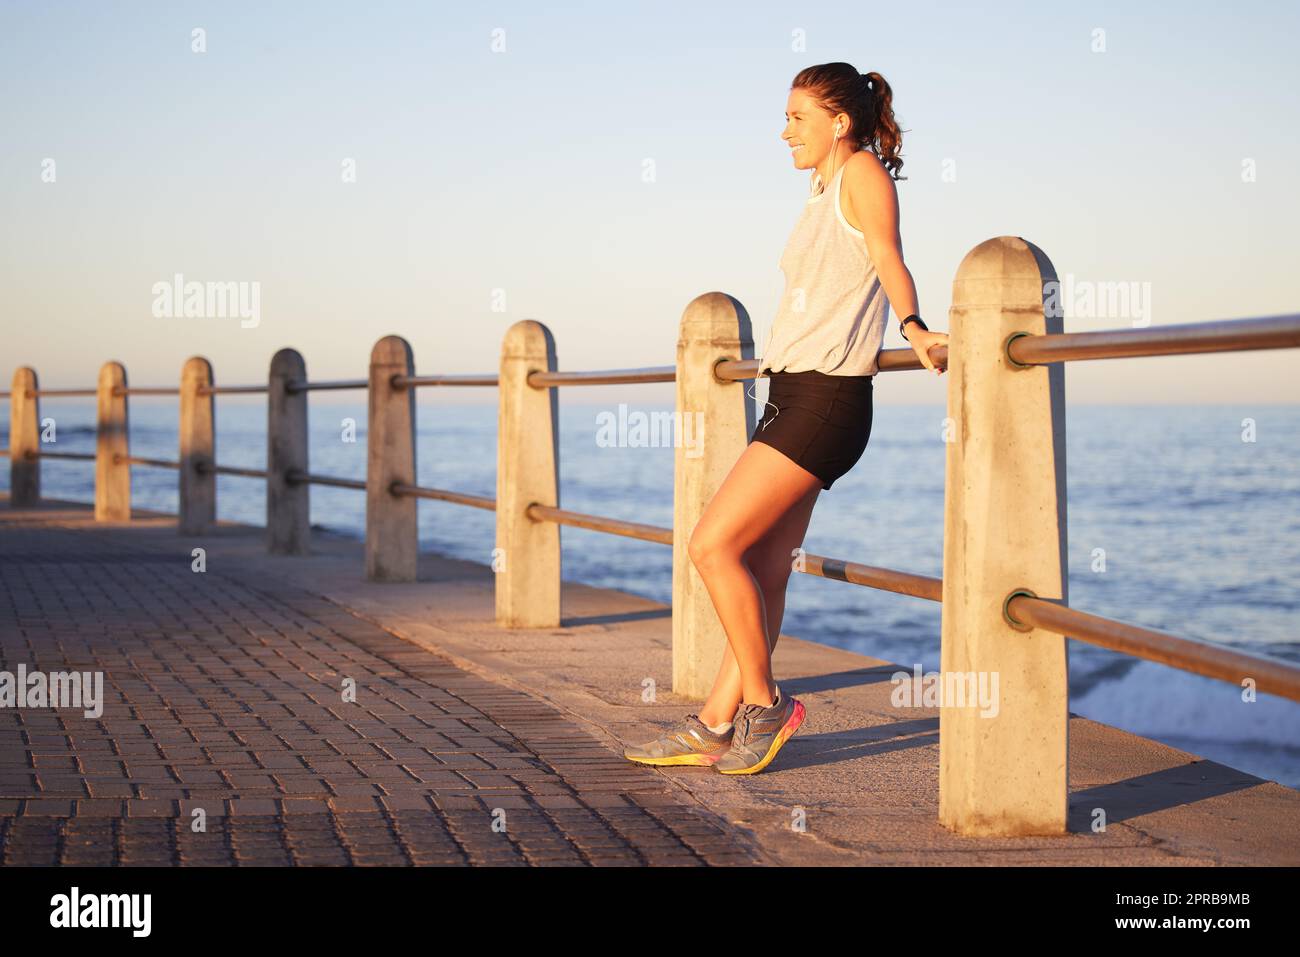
(758, 733)
(690, 743)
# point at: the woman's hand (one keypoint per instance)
(921, 340)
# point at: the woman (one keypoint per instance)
(844, 267)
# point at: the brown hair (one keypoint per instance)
(866, 98)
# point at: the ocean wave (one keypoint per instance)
(1159, 701)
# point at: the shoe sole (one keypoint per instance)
(680, 760)
(785, 734)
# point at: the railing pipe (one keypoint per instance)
(1229, 335)
(296, 476)
(1186, 654)
(302, 385)
(445, 495)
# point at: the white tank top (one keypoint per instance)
(833, 312)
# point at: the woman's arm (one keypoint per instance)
(871, 198)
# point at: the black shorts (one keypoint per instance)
(821, 422)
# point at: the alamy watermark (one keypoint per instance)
(179, 299)
(58, 689)
(1071, 298)
(947, 689)
(651, 429)
(76, 909)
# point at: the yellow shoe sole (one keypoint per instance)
(679, 760)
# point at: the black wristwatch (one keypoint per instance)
(912, 318)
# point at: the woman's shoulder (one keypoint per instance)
(864, 167)
(866, 184)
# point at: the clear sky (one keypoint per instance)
(496, 184)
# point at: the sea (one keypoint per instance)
(1181, 518)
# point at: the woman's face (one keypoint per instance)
(808, 130)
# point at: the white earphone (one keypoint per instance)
(750, 392)
(817, 179)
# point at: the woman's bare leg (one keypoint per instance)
(771, 560)
(762, 487)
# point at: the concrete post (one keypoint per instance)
(198, 490)
(24, 439)
(288, 506)
(715, 420)
(112, 446)
(527, 559)
(1004, 530)
(392, 537)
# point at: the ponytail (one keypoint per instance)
(888, 139)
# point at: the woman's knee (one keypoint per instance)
(699, 548)
(706, 550)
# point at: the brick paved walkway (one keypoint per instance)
(223, 697)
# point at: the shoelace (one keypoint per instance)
(743, 724)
